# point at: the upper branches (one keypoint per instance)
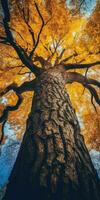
(36, 42)
(26, 16)
(38, 37)
(9, 39)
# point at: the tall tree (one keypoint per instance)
(53, 161)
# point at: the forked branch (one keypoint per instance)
(36, 41)
(27, 86)
(86, 82)
(40, 59)
(26, 17)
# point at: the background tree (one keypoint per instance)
(53, 161)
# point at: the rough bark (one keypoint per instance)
(53, 162)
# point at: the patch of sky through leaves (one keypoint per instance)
(86, 6)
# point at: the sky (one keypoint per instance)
(87, 8)
(8, 153)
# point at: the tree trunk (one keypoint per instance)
(53, 162)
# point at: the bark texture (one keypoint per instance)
(53, 162)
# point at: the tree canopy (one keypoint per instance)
(38, 34)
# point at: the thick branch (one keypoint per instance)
(80, 66)
(19, 50)
(26, 86)
(75, 76)
(40, 59)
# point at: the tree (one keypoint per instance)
(53, 161)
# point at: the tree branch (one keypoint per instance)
(11, 108)
(86, 82)
(36, 42)
(26, 20)
(74, 55)
(4, 116)
(41, 60)
(80, 66)
(59, 57)
(75, 76)
(26, 86)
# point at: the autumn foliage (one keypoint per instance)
(76, 36)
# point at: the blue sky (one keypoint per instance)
(86, 8)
